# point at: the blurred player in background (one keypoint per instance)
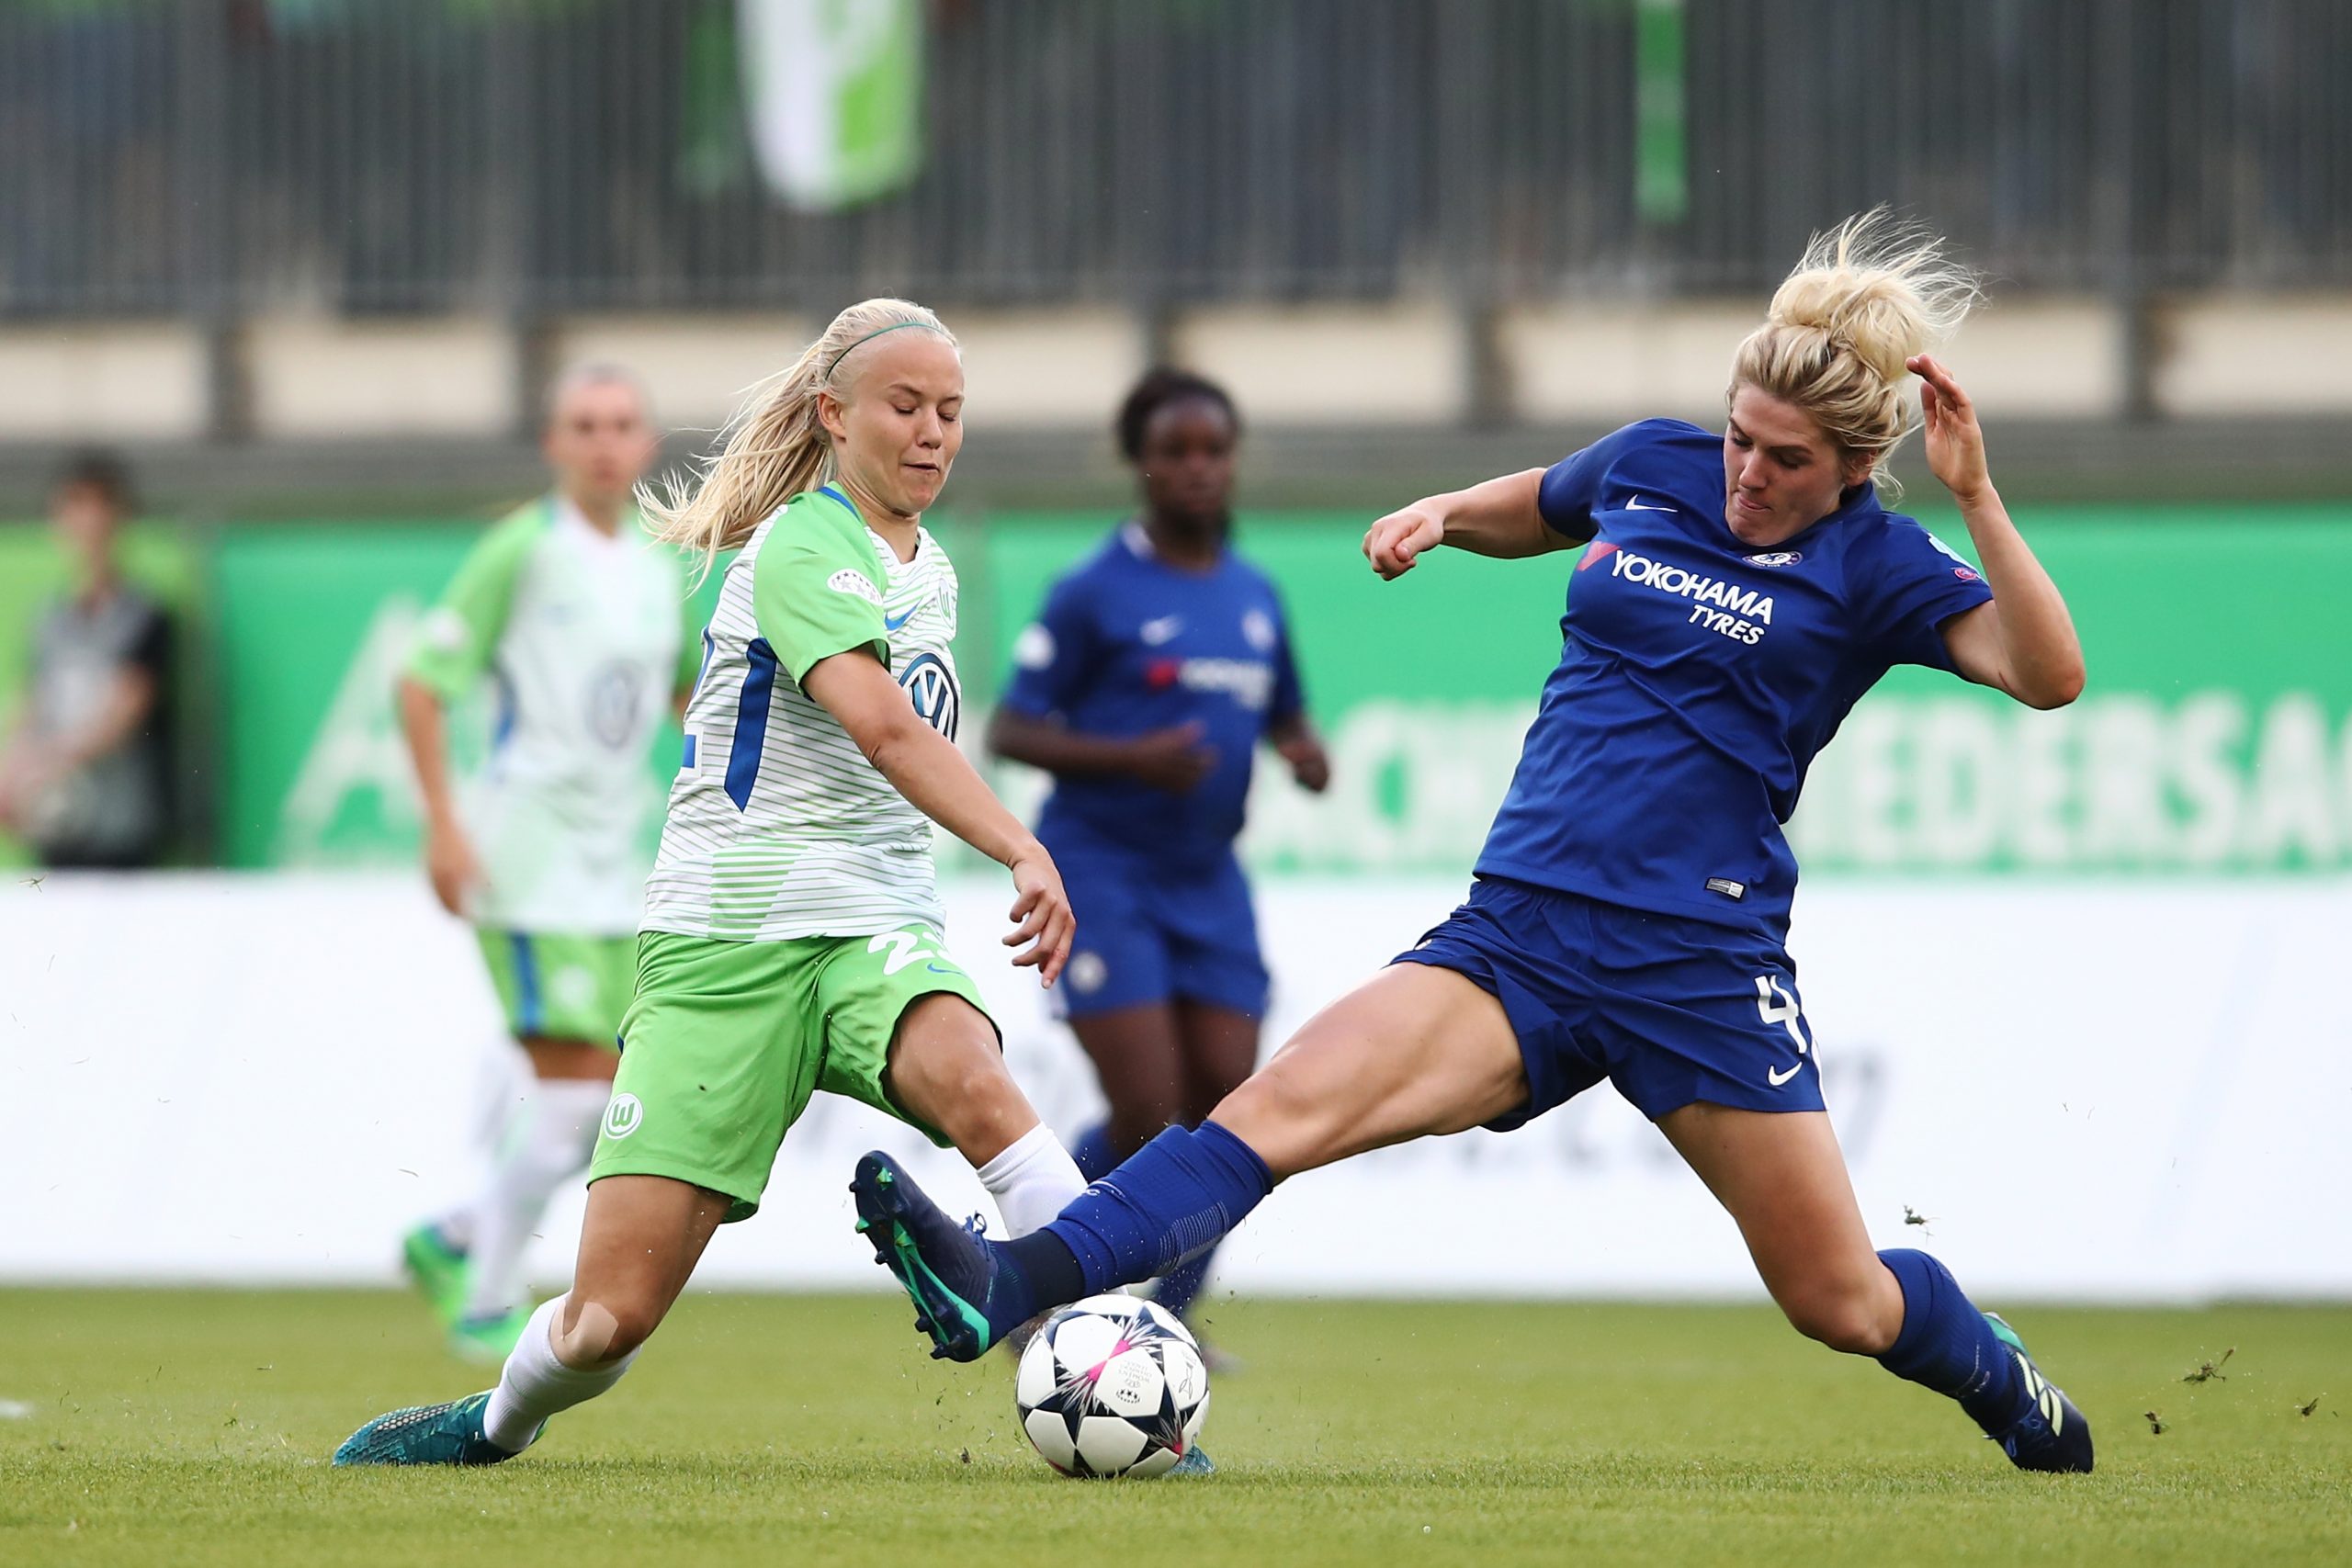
(1144, 687)
(793, 931)
(83, 778)
(1737, 593)
(582, 624)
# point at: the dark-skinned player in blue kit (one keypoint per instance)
(1155, 669)
(1736, 594)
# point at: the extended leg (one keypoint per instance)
(1783, 1178)
(1413, 1051)
(638, 1245)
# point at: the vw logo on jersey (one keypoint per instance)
(931, 686)
(612, 699)
(1777, 557)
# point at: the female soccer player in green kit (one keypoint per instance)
(579, 624)
(791, 935)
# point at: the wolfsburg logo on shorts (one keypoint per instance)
(1692, 586)
(624, 1115)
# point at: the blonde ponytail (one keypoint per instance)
(775, 446)
(1868, 295)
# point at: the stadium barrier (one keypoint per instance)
(2116, 1092)
(2210, 740)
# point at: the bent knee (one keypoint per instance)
(602, 1330)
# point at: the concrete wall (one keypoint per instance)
(315, 378)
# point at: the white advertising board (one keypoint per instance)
(2127, 1092)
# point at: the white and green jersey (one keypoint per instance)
(778, 826)
(585, 636)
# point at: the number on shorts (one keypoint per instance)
(905, 947)
(1775, 1003)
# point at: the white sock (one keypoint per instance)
(1032, 1180)
(535, 1385)
(557, 1137)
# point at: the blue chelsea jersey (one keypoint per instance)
(1700, 675)
(1126, 644)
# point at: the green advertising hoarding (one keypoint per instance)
(2213, 738)
(314, 625)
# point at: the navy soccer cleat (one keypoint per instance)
(2052, 1435)
(424, 1434)
(965, 1297)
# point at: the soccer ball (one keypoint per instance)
(1112, 1385)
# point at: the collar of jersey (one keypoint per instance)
(880, 545)
(1138, 542)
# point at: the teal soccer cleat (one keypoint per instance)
(424, 1434)
(2052, 1435)
(965, 1298)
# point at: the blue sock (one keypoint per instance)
(1095, 1157)
(1178, 1197)
(1946, 1345)
(1096, 1160)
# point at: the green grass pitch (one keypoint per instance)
(193, 1427)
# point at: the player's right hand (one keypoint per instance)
(1172, 759)
(1042, 908)
(451, 863)
(1396, 541)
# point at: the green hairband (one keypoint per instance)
(877, 332)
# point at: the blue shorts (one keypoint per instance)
(1146, 934)
(1670, 1010)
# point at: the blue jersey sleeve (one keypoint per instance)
(1053, 654)
(1913, 582)
(1289, 698)
(1571, 487)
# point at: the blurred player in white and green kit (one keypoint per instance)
(582, 625)
(792, 938)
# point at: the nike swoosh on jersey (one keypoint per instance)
(892, 623)
(1635, 505)
(1159, 631)
(1776, 1079)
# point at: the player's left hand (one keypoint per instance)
(1046, 925)
(1309, 763)
(1397, 540)
(1955, 441)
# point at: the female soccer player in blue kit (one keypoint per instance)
(1736, 595)
(1144, 687)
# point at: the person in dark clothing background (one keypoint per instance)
(82, 771)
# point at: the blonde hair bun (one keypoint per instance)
(1867, 295)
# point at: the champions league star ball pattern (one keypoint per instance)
(1112, 1385)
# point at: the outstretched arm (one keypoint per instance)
(2023, 642)
(1497, 518)
(924, 766)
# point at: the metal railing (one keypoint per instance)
(214, 157)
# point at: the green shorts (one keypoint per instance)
(561, 987)
(727, 1041)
